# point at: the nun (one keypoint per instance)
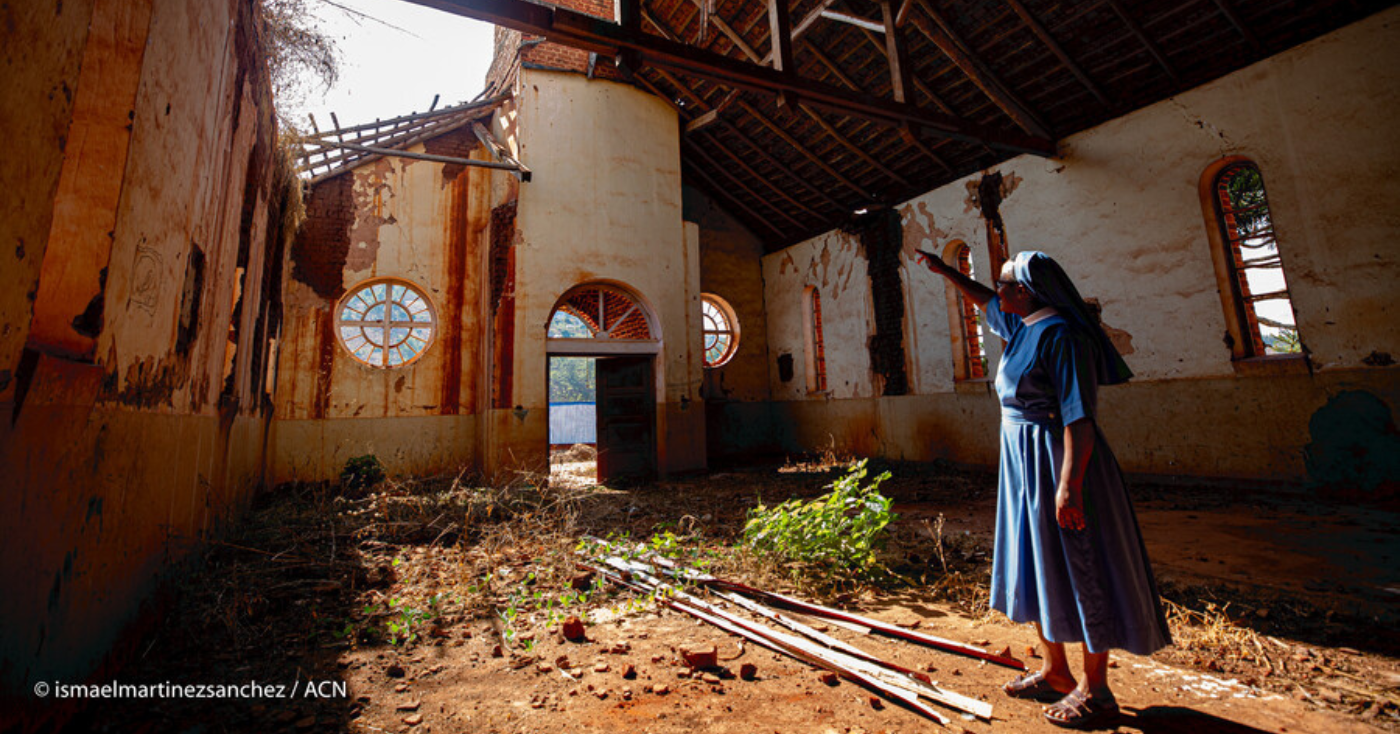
(1069, 556)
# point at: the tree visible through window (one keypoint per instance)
(385, 323)
(1262, 302)
(720, 330)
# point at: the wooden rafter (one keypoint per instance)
(575, 29)
(767, 181)
(685, 91)
(1043, 34)
(1147, 42)
(855, 149)
(797, 145)
(754, 196)
(719, 192)
(946, 38)
(1228, 10)
(779, 165)
(894, 53)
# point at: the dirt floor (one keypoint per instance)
(440, 608)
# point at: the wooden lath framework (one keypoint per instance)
(871, 102)
(330, 153)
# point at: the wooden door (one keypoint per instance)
(626, 419)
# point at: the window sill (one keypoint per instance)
(1281, 364)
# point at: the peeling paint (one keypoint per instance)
(372, 196)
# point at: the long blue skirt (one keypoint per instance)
(1093, 585)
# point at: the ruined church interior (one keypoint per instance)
(361, 412)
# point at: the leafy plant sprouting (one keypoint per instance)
(410, 619)
(841, 529)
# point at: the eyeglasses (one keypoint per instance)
(1007, 283)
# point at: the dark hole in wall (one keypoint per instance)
(502, 235)
(191, 295)
(989, 200)
(785, 367)
(321, 245)
(882, 235)
(89, 322)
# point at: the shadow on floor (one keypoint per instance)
(1179, 720)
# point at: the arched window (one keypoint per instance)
(1257, 302)
(385, 323)
(813, 340)
(968, 338)
(720, 329)
(596, 317)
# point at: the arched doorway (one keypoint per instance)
(603, 331)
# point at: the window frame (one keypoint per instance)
(434, 323)
(814, 341)
(1247, 351)
(731, 322)
(961, 313)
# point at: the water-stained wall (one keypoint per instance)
(604, 206)
(146, 233)
(1121, 210)
(420, 222)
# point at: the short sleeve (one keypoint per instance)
(1069, 360)
(1001, 323)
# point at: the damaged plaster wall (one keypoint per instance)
(417, 221)
(1120, 209)
(604, 206)
(132, 429)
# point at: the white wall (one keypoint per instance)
(1120, 209)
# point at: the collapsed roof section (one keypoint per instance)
(331, 153)
(863, 104)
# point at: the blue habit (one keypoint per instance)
(1093, 585)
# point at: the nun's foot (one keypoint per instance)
(1038, 686)
(1080, 710)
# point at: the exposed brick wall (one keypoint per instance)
(318, 254)
(883, 236)
(457, 143)
(503, 303)
(513, 48)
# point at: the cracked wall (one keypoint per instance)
(1121, 211)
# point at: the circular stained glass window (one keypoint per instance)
(721, 330)
(386, 323)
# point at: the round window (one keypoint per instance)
(721, 330)
(385, 323)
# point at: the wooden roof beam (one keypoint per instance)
(1043, 34)
(733, 97)
(809, 155)
(709, 118)
(1228, 10)
(905, 132)
(918, 83)
(719, 145)
(1151, 45)
(780, 35)
(741, 186)
(719, 192)
(855, 149)
(946, 38)
(894, 52)
(853, 19)
(779, 165)
(574, 29)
